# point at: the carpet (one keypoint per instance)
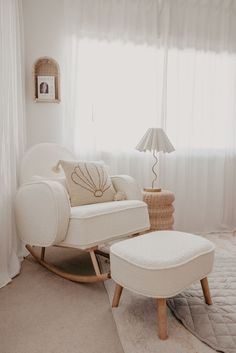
(214, 324)
(136, 316)
(43, 313)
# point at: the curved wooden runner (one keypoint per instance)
(66, 275)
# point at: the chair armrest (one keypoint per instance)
(128, 185)
(42, 211)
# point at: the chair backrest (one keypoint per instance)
(40, 159)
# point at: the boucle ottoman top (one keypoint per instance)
(162, 249)
(161, 264)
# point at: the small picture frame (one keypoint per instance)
(46, 88)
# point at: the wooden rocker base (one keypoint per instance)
(71, 277)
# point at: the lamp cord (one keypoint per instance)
(153, 169)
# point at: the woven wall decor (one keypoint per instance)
(46, 67)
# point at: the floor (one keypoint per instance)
(43, 313)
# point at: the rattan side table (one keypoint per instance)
(160, 209)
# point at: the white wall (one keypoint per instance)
(43, 37)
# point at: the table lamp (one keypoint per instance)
(155, 140)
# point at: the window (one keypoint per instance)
(122, 89)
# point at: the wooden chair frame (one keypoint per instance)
(93, 252)
(99, 277)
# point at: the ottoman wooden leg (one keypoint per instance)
(117, 295)
(162, 318)
(206, 291)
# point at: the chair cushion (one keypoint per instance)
(87, 182)
(98, 223)
(161, 263)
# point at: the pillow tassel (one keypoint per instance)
(56, 168)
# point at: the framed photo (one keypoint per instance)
(46, 87)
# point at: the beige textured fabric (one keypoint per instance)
(161, 264)
(42, 211)
(60, 179)
(136, 315)
(87, 182)
(95, 224)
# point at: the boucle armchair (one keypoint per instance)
(44, 215)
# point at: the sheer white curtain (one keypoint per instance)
(11, 133)
(134, 64)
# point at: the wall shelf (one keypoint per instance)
(46, 66)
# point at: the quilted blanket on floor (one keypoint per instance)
(215, 324)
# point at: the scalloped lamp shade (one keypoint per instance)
(155, 140)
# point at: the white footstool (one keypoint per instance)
(161, 264)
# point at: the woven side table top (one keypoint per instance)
(160, 209)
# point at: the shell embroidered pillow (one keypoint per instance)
(87, 182)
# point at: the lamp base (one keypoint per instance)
(152, 189)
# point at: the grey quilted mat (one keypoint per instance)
(214, 324)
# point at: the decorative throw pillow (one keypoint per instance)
(87, 182)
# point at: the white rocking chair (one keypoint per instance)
(45, 217)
